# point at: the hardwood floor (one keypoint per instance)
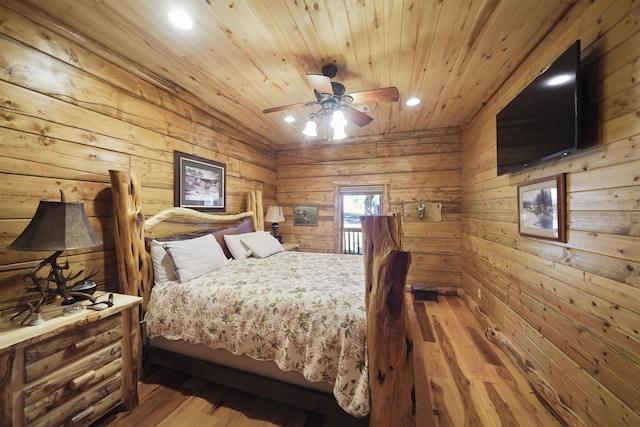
(471, 383)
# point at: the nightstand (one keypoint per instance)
(74, 367)
(290, 246)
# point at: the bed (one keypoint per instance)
(325, 332)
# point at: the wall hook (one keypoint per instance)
(421, 206)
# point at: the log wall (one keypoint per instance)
(572, 309)
(430, 161)
(68, 115)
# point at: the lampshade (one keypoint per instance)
(274, 214)
(57, 226)
(338, 120)
(338, 133)
(310, 129)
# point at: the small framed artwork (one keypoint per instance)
(199, 183)
(305, 215)
(542, 208)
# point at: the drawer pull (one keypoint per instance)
(80, 345)
(86, 412)
(82, 380)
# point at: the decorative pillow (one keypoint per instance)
(262, 245)
(245, 226)
(162, 267)
(234, 243)
(194, 257)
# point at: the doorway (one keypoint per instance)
(355, 201)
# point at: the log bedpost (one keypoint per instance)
(389, 342)
(254, 204)
(134, 262)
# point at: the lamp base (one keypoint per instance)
(274, 231)
(57, 276)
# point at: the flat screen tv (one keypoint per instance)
(543, 121)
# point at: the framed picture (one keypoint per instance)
(305, 214)
(199, 183)
(542, 208)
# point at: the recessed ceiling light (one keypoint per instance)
(180, 19)
(289, 119)
(412, 101)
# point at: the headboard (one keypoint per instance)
(135, 270)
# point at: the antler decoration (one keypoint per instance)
(56, 275)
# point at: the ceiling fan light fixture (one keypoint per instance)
(289, 119)
(310, 129)
(180, 19)
(412, 102)
(336, 105)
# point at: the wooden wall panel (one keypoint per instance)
(68, 115)
(572, 309)
(406, 163)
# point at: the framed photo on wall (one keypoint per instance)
(305, 214)
(199, 183)
(542, 208)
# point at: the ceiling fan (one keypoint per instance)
(331, 97)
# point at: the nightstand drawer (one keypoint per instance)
(80, 406)
(46, 356)
(64, 383)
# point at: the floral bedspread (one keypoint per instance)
(305, 311)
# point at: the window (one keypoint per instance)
(354, 202)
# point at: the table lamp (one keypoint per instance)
(274, 216)
(56, 226)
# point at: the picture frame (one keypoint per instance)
(199, 183)
(305, 214)
(542, 208)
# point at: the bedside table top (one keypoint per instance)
(12, 332)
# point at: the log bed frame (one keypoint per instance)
(390, 347)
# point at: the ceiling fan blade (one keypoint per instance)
(285, 107)
(357, 117)
(320, 83)
(386, 94)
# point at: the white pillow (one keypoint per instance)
(194, 257)
(235, 246)
(162, 268)
(262, 245)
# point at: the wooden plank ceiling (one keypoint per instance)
(243, 56)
